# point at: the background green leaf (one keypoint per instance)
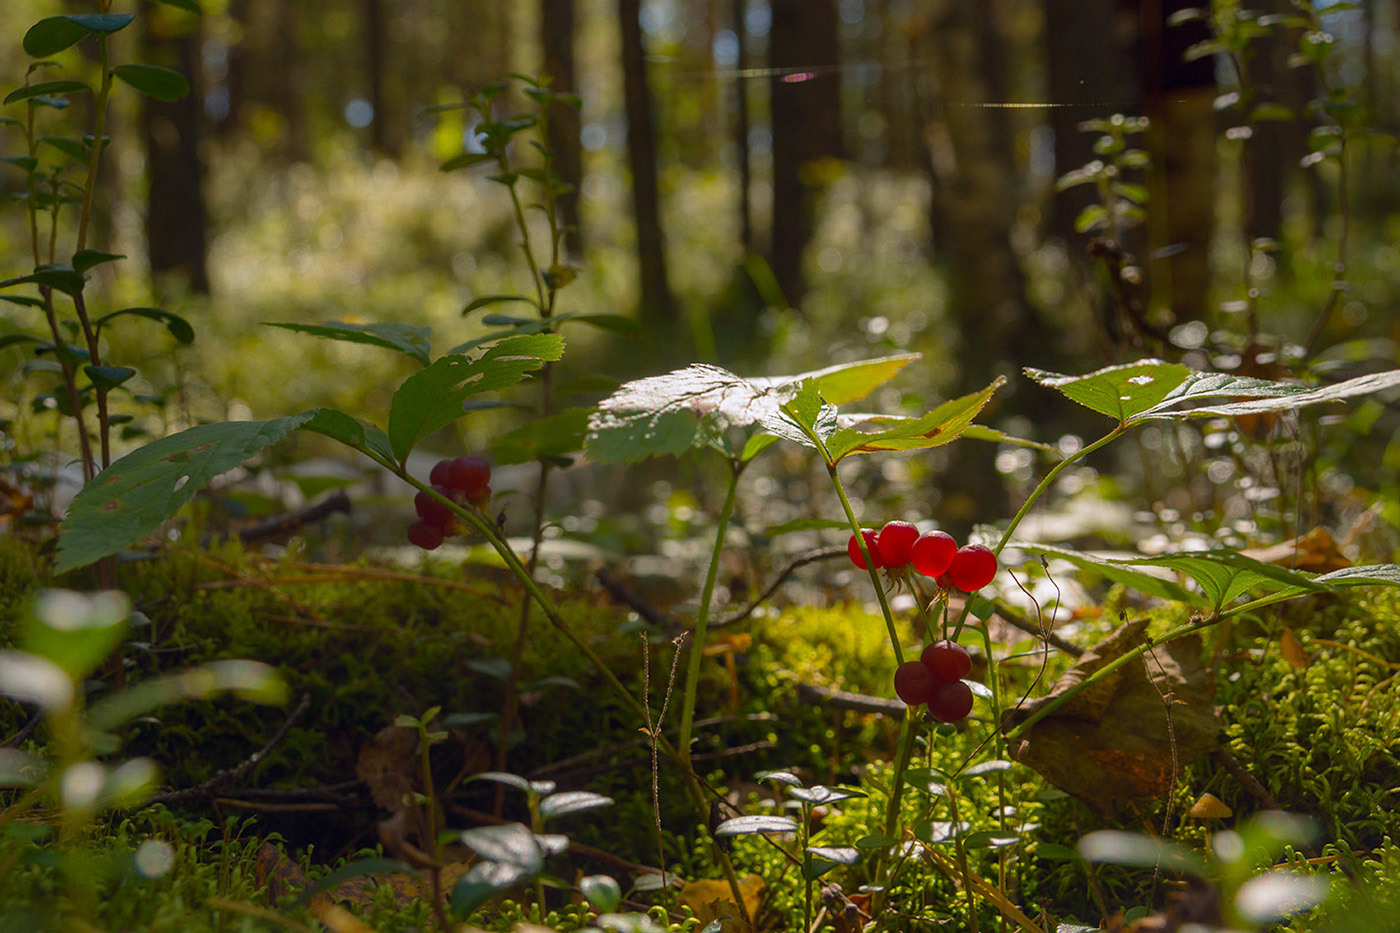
(405, 338)
(154, 81)
(129, 499)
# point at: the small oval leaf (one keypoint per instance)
(746, 825)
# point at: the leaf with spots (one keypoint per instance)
(128, 500)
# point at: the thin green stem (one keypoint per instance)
(99, 126)
(1050, 478)
(702, 621)
(870, 564)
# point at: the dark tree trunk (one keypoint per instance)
(383, 135)
(975, 200)
(806, 103)
(1177, 97)
(557, 41)
(741, 126)
(1089, 75)
(175, 216)
(657, 304)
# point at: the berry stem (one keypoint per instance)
(870, 565)
(702, 621)
(1049, 480)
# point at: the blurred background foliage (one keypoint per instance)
(771, 185)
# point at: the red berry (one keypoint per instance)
(442, 470)
(913, 683)
(944, 581)
(973, 567)
(946, 661)
(951, 701)
(469, 475)
(431, 510)
(853, 549)
(933, 553)
(426, 535)
(894, 542)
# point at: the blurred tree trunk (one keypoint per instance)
(1274, 150)
(657, 303)
(557, 42)
(284, 90)
(1089, 75)
(384, 134)
(1178, 98)
(975, 199)
(235, 78)
(806, 102)
(737, 10)
(175, 217)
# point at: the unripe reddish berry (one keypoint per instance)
(933, 552)
(895, 541)
(947, 661)
(913, 683)
(973, 567)
(951, 701)
(441, 473)
(470, 475)
(853, 549)
(426, 535)
(431, 510)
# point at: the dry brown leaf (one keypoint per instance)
(389, 767)
(1315, 552)
(279, 874)
(1293, 651)
(1110, 743)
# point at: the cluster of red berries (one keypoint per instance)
(465, 481)
(937, 679)
(933, 554)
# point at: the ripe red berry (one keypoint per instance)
(894, 542)
(913, 683)
(973, 567)
(946, 661)
(426, 535)
(853, 549)
(470, 475)
(442, 471)
(951, 701)
(431, 510)
(933, 552)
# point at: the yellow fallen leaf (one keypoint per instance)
(711, 899)
(1293, 651)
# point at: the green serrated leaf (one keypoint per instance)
(1121, 392)
(1224, 576)
(1117, 572)
(1263, 395)
(128, 500)
(405, 338)
(179, 328)
(940, 426)
(432, 398)
(154, 81)
(555, 436)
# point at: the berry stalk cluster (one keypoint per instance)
(464, 480)
(936, 678)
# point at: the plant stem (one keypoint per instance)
(702, 621)
(1050, 478)
(870, 566)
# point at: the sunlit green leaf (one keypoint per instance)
(746, 825)
(405, 338)
(1121, 848)
(129, 499)
(940, 426)
(1120, 392)
(572, 801)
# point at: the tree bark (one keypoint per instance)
(657, 303)
(806, 120)
(177, 248)
(557, 30)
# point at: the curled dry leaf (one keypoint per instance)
(1110, 743)
(388, 766)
